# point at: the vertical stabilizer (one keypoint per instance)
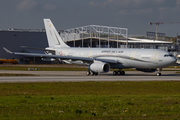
(53, 37)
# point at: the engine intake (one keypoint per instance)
(99, 67)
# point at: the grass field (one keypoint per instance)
(90, 100)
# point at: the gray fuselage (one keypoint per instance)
(125, 57)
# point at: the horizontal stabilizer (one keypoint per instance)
(8, 51)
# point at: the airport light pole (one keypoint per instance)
(126, 38)
(157, 24)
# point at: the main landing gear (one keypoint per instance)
(119, 72)
(159, 71)
(91, 73)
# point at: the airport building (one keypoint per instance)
(110, 37)
(86, 36)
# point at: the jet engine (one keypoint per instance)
(99, 67)
(146, 70)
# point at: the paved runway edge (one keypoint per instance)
(79, 76)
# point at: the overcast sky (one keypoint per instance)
(65, 14)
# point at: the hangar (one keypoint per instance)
(86, 36)
(110, 37)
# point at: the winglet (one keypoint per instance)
(8, 51)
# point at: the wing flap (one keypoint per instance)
(107, 60)
(27, 47)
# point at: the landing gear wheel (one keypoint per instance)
(88, 73)
(159, 71)
(92, 73)
(96, 74)
(119, 72)
(158, 74)
(123, 73)
(114, 73)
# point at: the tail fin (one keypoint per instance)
(52, 34)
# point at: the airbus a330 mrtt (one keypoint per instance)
(101, 60)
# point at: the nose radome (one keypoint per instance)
(173, 60)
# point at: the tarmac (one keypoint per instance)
(80, 76)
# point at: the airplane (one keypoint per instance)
(100, 60)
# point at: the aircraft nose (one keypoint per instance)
(173, 60)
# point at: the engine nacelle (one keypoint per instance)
(146, 70)
(99, 67)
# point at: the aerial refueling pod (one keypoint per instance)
(146, 70)
(99, 67)
(48, 59)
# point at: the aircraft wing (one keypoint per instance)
(61, 57)
(27, 47)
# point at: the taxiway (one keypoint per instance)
(79, 76)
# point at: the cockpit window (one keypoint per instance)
(168, 55)
(171, 55)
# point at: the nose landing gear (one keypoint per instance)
(159, 71)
